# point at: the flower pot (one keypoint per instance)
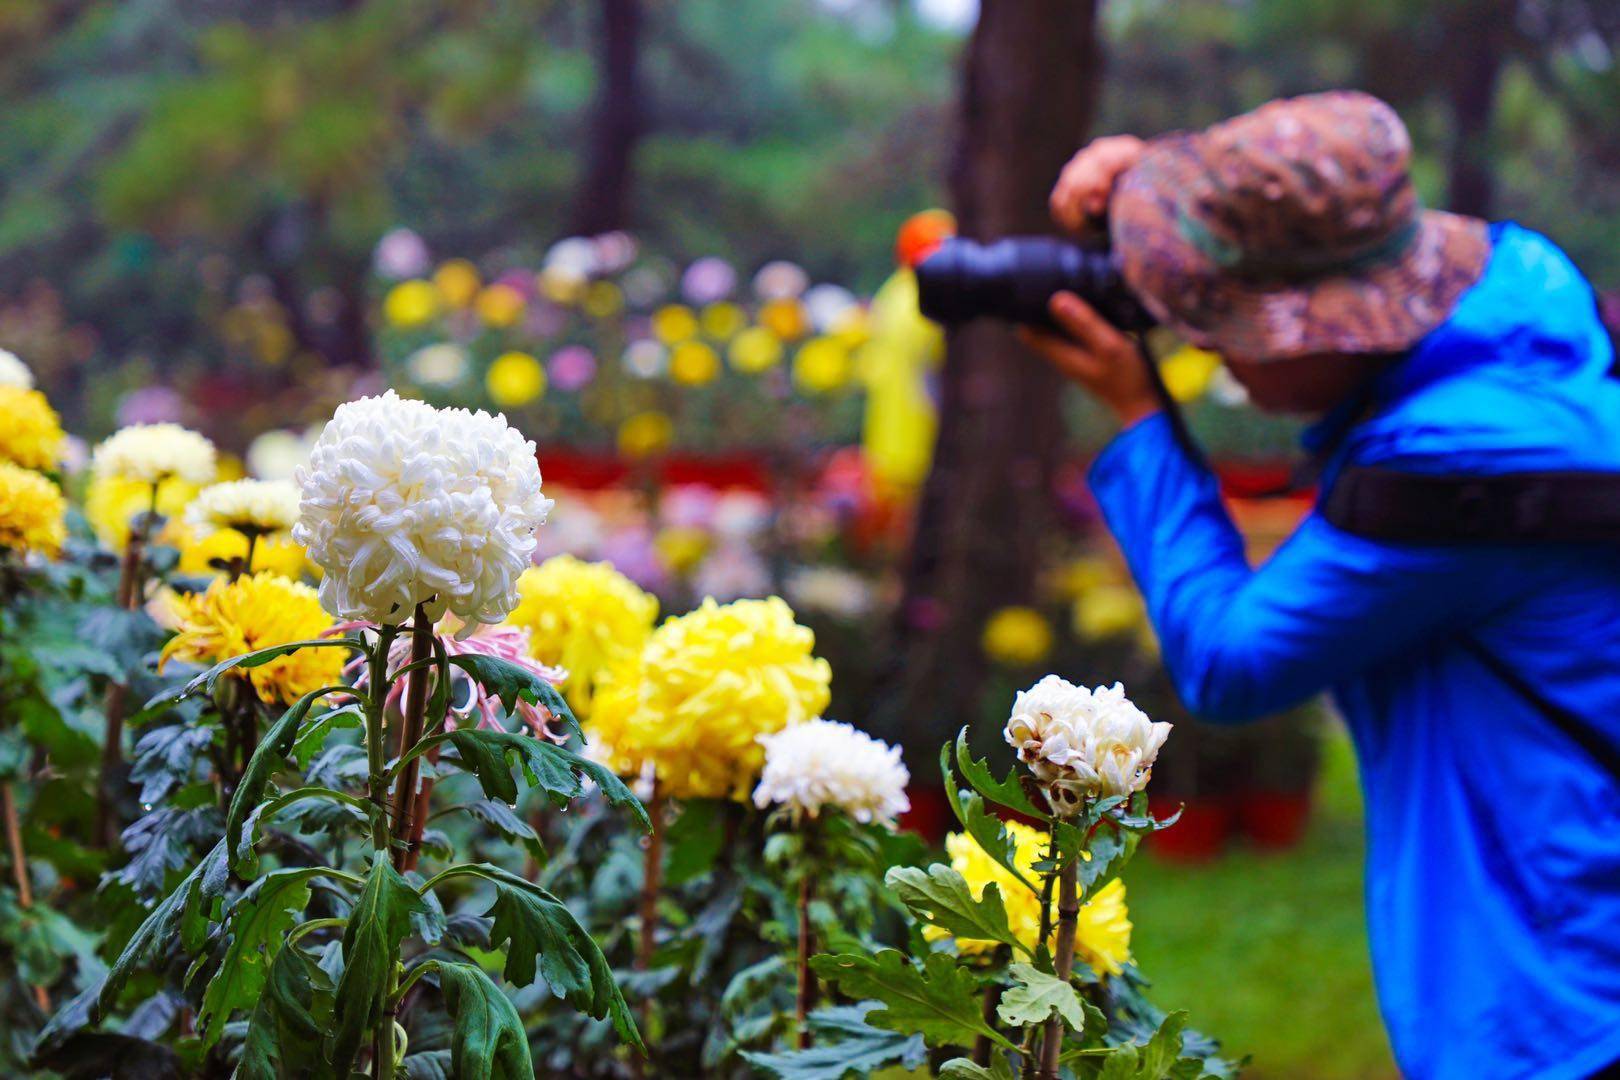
(1274, 820)
(1201, 832)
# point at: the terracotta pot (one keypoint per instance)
(1274, 820)
(1201, 832)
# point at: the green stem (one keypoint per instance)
(313, 925)
(411, 734)
(1063, 961)
(376, 758)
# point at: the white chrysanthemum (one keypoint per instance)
(822, 763)
(13, 372)
(404, 504)
(1081, 743)
(152, 453)
(256, 507)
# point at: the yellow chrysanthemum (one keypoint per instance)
(457, 281)
(411, 304)
(1103, 936)
(112, 502)
(786, 318)
(31, 511)
(250, 507)
(202, 556)
(515, 378)
(692, 363)
(674, 323)
(1108, 611)
(706, 686)
(30, 432)
(254, 612)
(754, 350)
(723, 320)
(583, 617)
(1017, 637)
(603, 299)
(499, 305)
(822, 366)
(681, 547)
(645, 434)
(1188, 371)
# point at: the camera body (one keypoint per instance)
(1013, 280)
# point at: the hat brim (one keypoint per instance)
(1387, 306)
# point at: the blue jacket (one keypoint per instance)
(1493, 841)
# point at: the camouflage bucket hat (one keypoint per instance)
(1290, 230)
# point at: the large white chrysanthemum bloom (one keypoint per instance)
(258, 507)
(404, 504)
(819, 764)
(153, 453)
(13, 372)
(1082, 743)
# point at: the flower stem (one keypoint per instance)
(405, 808)
(413, 845)
(807, 982)
(652, 874)
(19, 868)
(1063, 960)
(112, 740)
(376, 758)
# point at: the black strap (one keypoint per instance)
(1578, 730)
(1514, 508)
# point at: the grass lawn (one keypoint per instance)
(1268, 952)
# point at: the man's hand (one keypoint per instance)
(1083, 188)
(1098, 356)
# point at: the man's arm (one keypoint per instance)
(1241, 643)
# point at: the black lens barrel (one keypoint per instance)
(1013, 279)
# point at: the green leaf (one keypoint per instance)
(166, 757)
(428, 1065)
(284, 1035)
(941, 896)
(182, 913)
(1008, 791)
(559, 772)
(985, 828)
(379, 922)
(256, 925)
(1152, 1060)
(539, 927)
(968, 1069)
(845, 1044)
(511, 682)
(504, 820)
(204, 683)
(1034, 996)
(270, 752)
(488, 1040)
(692, 842)
(310, 740)
(939, 1001)
(1110, 850)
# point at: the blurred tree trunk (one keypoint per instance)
(1030, 81)
(615, 123)
(1477, 39)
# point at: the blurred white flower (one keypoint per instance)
(401, 254)
(13, 372)
(152, 453)
(276, 455)
(1081, 743)
(780, 280)
(248, 506)
(829, 590)
(405, 504)
(646, 359)
(707, 280)
(819, 764)
(733, 571)
(443, 364)
(827, 304)
(573, 255)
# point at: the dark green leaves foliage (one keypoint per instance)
(846, 1045)
(167, 757)
(488, 1041)
(162, 841)
(504, 820)
(509, 682)
(285, 1033)
(204, 683)
(1008, 791)
(540, 927)
(939, 1001)
(941, 896)
(1155, 1060)
(256, 925)
(557, 771)
(271, 751)
(123, 637)
(380, 920)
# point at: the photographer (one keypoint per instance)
(1458, 585)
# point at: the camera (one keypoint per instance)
(1013, 279)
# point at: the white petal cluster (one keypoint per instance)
(1081, 743)
(152, 453)
(822, 763)
(248, 506)
(13, 372)
(404, 504)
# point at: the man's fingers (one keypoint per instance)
(1062, 353)
(1080, 321)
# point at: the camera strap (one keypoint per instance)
(1575, 507)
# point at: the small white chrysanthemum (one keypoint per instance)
(152, 453)
(404, 504)
(1081, 743)
(822, 763)
(13, 372)
(251, 507)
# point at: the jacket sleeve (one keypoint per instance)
(1240, 643)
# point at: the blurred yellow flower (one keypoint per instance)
(681, 547)
(1187, 372)
(1017, 637)
(205, 556)
(31, 512)
(674, 323)
(754, 350)
(499, 305)
(457, 282)
(723, 320)
(30, 432)
(515, 378)
(603, 299)
(645, 434)
(112, 502)
(1108, 611)
(253, 612)
(821, 366)
(1103, 937)
(852, 328)
(411, 304)
(692, 363)
(562, 285)
(786, 318)
(583, 617)
(705, 687)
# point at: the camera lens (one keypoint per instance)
(1013, 280)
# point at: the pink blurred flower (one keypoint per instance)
(402, 254)
(707, 280)
(571, 367)
(150, 405)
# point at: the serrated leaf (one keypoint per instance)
(942, 896)
(1110, 850)
(285, 1034)
(505, 820)
(488, 1040)
(511, 683)
(1153, 1060)
(255, 925)
(1008, 791)
(166, 757)
(939, 1001)
(968, 1069)
(378, 923)
(845, 1045)
(1034, 996)
(985, 828)
(204, 683)
(310, 739)
(271, 752)
(559, 772)
(162, 841)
